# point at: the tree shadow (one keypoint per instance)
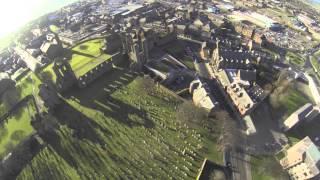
(83, 54)
(19, 158)
(122, 112)
(98, 96)
(83, 47)
(308, 128)
(95, 96)
(53, 139)
(83, 127)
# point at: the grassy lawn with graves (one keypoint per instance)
(16, 128)
(121, 126)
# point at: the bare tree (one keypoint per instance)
(148, 85)
(219, 124)
(229, 134)
(279, 93)
(190, 114)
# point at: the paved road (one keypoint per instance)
(241, 166)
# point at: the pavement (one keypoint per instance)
(269, 137)
(241, 167)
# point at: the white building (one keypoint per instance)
(302, 161)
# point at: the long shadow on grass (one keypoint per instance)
(97, 96)
(83, 54)
(310, 129)
(19, 158)
(83, 127)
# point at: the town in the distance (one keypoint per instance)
(163, 89)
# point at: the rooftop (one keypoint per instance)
(296, 152)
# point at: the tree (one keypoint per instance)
(268, 166)
(229, 134)
(17, 135)
(280, 92)
(148, 85)
(10, 97)
(219, 125)
(190, 114)
(3, 131)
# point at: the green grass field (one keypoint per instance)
(315, 63)
(295, 59)
(267, 168)
(293, 101)
(28, 85)
(118, 128)
(24, 87)
(48, 73)
(87, 56)
(288, 102)
(16, 128)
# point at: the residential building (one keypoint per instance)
(230, 59)
(302, 160)
(241, 99)
(306, 112)
(31, 62)
(201, 95)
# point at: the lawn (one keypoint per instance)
(16, 128)
(121, 126)
(295, 59)
(54, 28)
(267, 168)
(315, 62)
(28, 85)
(48, 74)
(87, 56)
(24, 87)
(293, 101)
(288, 102)
(91, 47)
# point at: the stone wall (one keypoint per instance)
(99, 70)
(94, 73)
